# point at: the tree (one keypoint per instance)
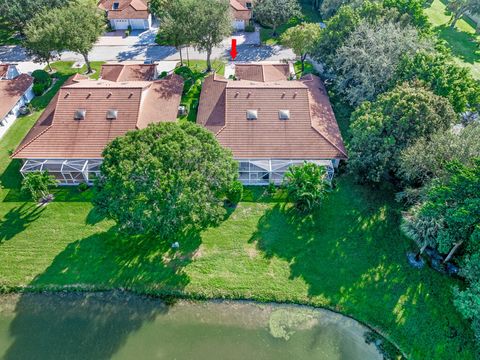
(164, 180)
(159, 7)
(414, 9)
(439, 72)
(366, 63)
(273, 13)
(36, 184)
(176, 29)
(306, 185)
(302, 39)
(78, 26)
(20, 12)
(426, 160)
(41, 38)
(330, 7)
(455, 202)
(458, 8)
(467, 301)
(382, 129)
(211, 23)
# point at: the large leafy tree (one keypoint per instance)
(176, 29)
(382, 129)
(19, 12)
(41, 38)
(302, 39)
(426, 160)
(414, 9)
(444, 77)
(306, 185)
(273, 13)
(75, 27)
(366, 63)
(165, 179)
(210, 23)
(461, 7)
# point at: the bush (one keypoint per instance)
(83, 187)
(38, 89)
(41, 77)
(127, 33)
(306, 185)
(235, 193)
(250, 28)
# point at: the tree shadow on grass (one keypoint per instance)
(462, 44)
(55, 329)
(17, 220)
(351, 255)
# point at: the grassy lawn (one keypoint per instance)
(349, 256)
(462, 40)
(7, 35)
(193, 84)
(309, 15)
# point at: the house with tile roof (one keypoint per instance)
(241, 13)
(124, 13)
(271, 122)
(16, 90)
(85, 115)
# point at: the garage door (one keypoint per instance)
(138, 24)
(120, 24)
(239, 25)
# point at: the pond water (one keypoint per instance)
(124, 326)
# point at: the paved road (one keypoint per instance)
(246, 52)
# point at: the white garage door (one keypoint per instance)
(138, 24)
(239, 25)
(120, 24)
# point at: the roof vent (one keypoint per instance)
(109, 95)
(130, 95)
(284, 114)
(66, 95)
(252, 114)
(89, 94)
(112, 114)
(80, 114)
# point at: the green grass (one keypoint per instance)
(193, 85)
(8, 36)
(462, 40)
(309, 15)
(349, 256)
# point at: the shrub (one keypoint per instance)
(41, 77)
(250, 28)
(38, 89)
(127, 33)
(306, 185)
(83, 187)
(36, 184)
(235, 193)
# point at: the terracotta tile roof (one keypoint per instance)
(127, 9)
(239, 11)
(3, 69)
(11, 91)
(262, 72)
(57, 135)
(311, 132)
(128, 72)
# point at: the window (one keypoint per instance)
(112, 114)
(248, 5)
(252, 114)
(284, 114)
(80, 114)
(115, 6)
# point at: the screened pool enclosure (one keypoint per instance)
(251, 171)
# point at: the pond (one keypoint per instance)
(115, 325)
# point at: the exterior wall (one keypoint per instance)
(136, 24)
(265, 171)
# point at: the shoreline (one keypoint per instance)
(171, 298)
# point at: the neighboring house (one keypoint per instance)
(69, 137)
(271, 123)
(16, 90)
(124, 13)
(241, 13)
